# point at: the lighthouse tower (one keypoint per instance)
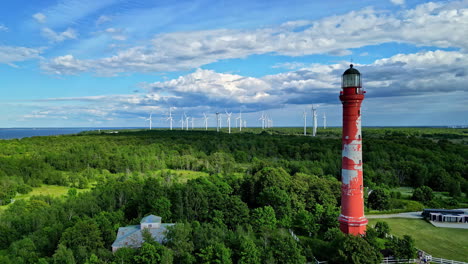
(352, 219)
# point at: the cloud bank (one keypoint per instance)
(423, 74)
(430, 24)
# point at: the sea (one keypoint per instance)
(11, 133)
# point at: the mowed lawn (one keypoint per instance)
(448, 243)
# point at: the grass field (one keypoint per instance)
(448, 243)
(181, 176)
(406, 192)
(52, 190)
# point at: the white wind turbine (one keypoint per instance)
(267, 120)
(182, 122)
(170, 117)
(217, 121)
(206, 121)
(150, 119)
(245, 123)
(324, 121)
(304, 115)
(193, 120)
(186, 121)
(314, 116)
(228, 120)
(240, 120)
(262, 118)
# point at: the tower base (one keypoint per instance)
(353, 227)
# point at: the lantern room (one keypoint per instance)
(351, 79)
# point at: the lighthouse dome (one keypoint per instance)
(351, 70)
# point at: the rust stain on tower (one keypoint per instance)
(352, 219)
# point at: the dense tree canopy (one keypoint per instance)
(239, 198)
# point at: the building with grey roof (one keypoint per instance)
(131, 236)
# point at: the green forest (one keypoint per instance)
(260, 196)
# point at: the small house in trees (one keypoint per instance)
(132, 236)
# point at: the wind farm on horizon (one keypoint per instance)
(188, 122)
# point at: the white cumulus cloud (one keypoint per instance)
(10, 54)
(103, 19)
(413, 78)
(39, 17)
(59, 37)
(398, 2)
(430, 24)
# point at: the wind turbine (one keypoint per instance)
(324, 121)
(240, 120)
(150, 119)
(314, 116)
(228, 120)
(170, 117)
(245, 123)
(206, 121)
(193, 120)
(182, 122)
(304, 115)
(262, 118)
(186, 121)
(217, 121)
(266, 120)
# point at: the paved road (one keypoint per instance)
(415, 215)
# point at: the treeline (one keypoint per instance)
(268, 217)
(391, 158)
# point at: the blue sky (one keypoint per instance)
(71, 63)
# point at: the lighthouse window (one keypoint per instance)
(351, 80)
(359, 112)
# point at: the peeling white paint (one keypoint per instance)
(358, 167)
(348, 175)
(352, 151)
(358, 127)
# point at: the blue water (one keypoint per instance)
(9, 133)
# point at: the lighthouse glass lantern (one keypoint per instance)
(351, 79)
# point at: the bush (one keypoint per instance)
(423, 194)
(23, 188)
(382, 229)
(379, 199)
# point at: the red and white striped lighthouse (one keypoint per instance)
(352, 219)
